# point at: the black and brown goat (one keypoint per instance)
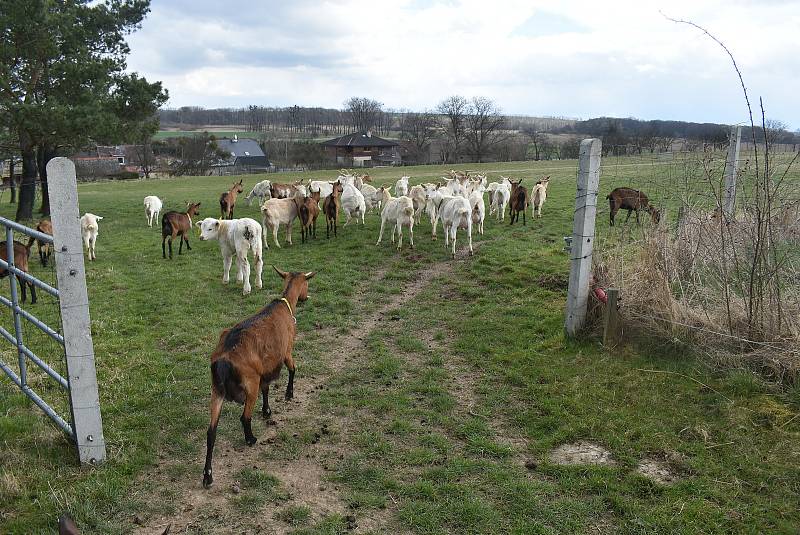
(250, 355)
(45, 248)
(307, 212)
(518, 202)
(21, 253)
(227, 200)
(174, 224)
(633, 201)
(330, 207)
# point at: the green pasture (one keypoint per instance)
(441, 420)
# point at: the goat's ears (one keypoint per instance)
(283, 274)
(98, 217)
(198, 224)
(310, 274)
(66, 526)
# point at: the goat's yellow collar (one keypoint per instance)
(290, 308)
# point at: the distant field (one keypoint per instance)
(430, 392)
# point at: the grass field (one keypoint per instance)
(429, 395)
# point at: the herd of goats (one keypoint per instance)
(457, 201)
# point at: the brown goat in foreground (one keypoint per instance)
(631, 200)
(227, 200)
(250, 355)
(21, 253)
(174, 224)
(45, 249)
(330, 207)
(307, 212)
(519, 201)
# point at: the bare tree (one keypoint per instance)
(774, 130)
(537, 139)
(418, 129)
(453, 111)
(484, 127)
(365, 113)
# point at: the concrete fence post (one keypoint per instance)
(731, 170)
(74, 305)
(583, 235)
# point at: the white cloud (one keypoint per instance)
(577, 58)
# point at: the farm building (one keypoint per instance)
(362, 149)
(244, 152)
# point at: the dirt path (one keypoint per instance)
(303, 477)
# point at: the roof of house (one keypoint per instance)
(241, 147)
(359, 139)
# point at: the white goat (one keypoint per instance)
(400, 212)
(500, 195)
(236, 238)
(419, 196)
(352, 203)
(401, 187)
(262, 190)
(89, 230)
(370, 196)
(453, 188)
(277, 212)
(152, 207)
(455, 213)
(478, 207)
(539, 195)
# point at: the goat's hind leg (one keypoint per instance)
(266, 412)
(211, 436)
(290, 384)
(251, 387)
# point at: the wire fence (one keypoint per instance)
(688, 271)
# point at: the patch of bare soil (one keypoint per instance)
(664, 469)
(303, 478)
(581, 453)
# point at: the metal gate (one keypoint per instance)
(84, 425)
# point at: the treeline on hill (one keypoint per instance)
(457, 130)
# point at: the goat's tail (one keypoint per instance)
(224, 379)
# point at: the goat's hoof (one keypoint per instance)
(288, 396)
(250, 440)
(207, 480)
(245, 292)
(225, 282)
(266, 415)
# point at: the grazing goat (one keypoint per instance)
(518, 202)
(250, 355)
(330, 207)
(323, 187)
(89, 230)
(370, 196)
(401, 187)
(277, 212)
(227, 200)
(174, 224)
(21, 253)
(237, 237)
(631, 200)
(353, 203)
(260, 191)
(307, 212)
(400, 212)
(152, 209)
(455, 213)
(285, 191)
(45, 248)
(478, 207)
(539, 195)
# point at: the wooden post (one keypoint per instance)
(681, 218)
(611, 329)
(583, 235)
(731, 169)
(74, 304)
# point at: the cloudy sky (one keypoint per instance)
(577, 58)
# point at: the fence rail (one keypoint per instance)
(84, 426)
